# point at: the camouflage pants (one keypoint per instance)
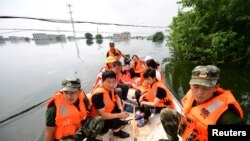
(170, 120)
(91, 127)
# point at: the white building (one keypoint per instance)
(40, 36)
(121, 36)
(52, 37)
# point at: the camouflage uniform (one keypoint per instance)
(206, 76)
(91, 127)
(170, 121)
(201, 75)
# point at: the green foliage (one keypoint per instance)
(89, 42)
(88, 36)
(27, 39)
(158, 37)
(99, 41)
(211, 31)
(98, 37)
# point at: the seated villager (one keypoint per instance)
(126, 76)
(151, 63)
(66, 115)
(138, 67)
(107, 66)
(108, 105)
(121, 87)
(157, 98)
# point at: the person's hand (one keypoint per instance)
(141, 98)
(122, 110)
(142, 103)
(123, 115)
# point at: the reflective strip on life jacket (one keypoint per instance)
(68, 117)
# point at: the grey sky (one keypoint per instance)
(138, 12)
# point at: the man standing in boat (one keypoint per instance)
(67, 114)
(204, 104)
(108, 105)
(113, 51)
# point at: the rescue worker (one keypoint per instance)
(115, 51)
(204, 104)
(157, 97)
(67, 114)
(108, 105)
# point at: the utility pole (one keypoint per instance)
(71, 19)
(73, 27)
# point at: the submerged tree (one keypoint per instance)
(158, 37)
(88, 36)
(211, 31)
(98, 37)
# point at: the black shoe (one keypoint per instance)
(121, 134)
(125, 122)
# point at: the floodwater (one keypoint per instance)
(30, 73)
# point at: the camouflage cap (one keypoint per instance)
(205, 75)
(71, 84)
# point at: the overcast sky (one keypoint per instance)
(135, 12)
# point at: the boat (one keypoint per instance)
(152, 131)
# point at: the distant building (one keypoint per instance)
(40, 36)
(121, 36)
(52, 37)
(13, 38)
(61, 37)
(71, 37)
(1, 38)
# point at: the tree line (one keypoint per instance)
(211, 32)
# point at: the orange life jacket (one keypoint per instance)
(139, 65)
(68, 117)
(199, 117)
(110, 53)
(99, 78)
(151, 95)
(108, 101)
(126, 77)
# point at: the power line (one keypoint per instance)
(13, 30)
(67, 21)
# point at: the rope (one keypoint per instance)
(20, 114)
